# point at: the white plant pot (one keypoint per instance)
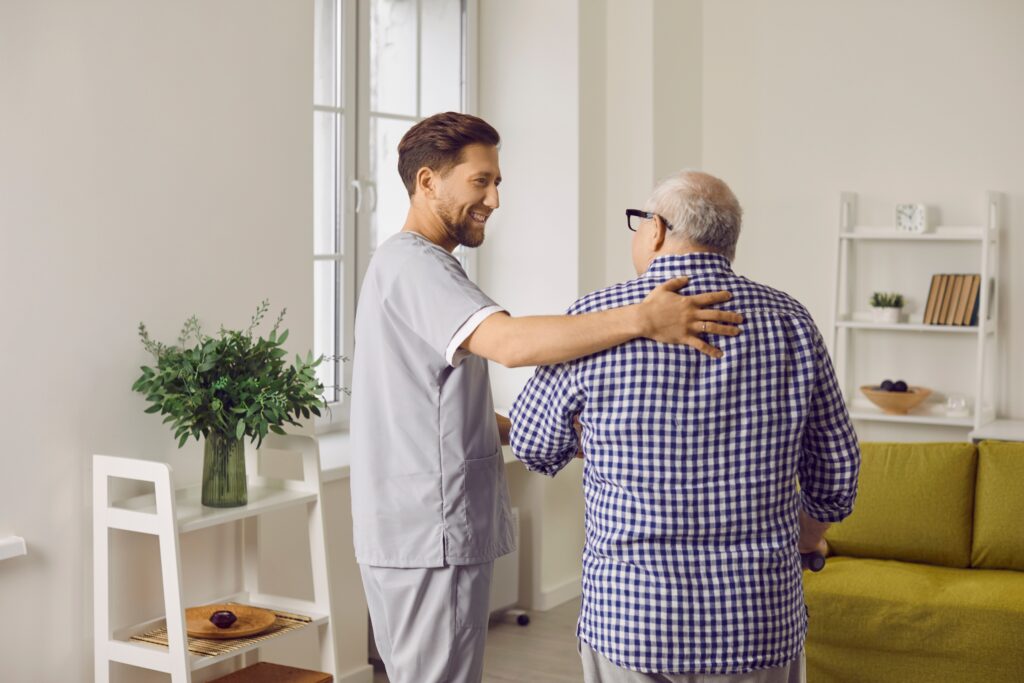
(886, 315)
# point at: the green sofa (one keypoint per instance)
(926, 578)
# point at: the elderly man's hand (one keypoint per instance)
(674, 319)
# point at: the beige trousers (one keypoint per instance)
(598, 669)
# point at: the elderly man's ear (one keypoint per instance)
(658, 234)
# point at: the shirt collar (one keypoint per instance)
(695, 263)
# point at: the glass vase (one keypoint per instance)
(224, 472)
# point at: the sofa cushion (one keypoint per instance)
(999, 507)
(915, 502)
(883, 620)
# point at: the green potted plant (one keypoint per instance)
(886, 307)
(225, 388)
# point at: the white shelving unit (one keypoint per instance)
(12, 546)
(169, 512)
(999, 430)
(846, 326)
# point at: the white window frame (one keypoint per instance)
(354, 182)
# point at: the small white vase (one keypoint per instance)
(887, 314)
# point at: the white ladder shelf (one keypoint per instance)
(986, 236)
(169, 512)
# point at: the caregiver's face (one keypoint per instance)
(468, 193)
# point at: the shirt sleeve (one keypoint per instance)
(542, 435)
(830, 461)
(434, 298)
(454, 354)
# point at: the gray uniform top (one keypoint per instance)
(428, 479)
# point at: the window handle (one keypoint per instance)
(372, 186)
(358, 187)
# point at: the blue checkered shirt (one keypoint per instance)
(690, 477)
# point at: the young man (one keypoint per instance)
(691, 568)
(429, 499)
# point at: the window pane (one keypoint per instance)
(325, 182)
(325, 49)
(441, 56)
(393, 56)
(392, 198)
(326, 328)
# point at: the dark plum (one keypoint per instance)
(899, 386)
(223, 618)
(886, 385)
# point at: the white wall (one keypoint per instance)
(653, 111)
(155, 162)
(790, 102)
(530, 91)
(905, 101)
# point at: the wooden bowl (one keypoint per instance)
(251, 620)
(896, 402)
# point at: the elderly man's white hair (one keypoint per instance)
(702, 210)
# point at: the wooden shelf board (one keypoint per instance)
(193, 515)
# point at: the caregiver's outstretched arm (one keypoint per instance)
(663, 316)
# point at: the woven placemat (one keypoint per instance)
(211, 648)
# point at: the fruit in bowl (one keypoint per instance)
(895, 398)
(223, 618)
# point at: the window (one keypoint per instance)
(380, 66)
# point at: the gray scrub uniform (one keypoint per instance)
(428, 481)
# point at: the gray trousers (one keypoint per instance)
(598, 669)
(430, 625)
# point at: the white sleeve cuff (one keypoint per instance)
(454, 354)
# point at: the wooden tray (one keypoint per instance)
(251, 620)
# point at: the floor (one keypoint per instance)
(543, 652)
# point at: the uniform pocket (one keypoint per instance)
(484, 499)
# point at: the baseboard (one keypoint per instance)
(561, 593)
(360, 674)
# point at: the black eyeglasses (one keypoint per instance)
(634, 216)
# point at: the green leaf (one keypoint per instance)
(232, 383)
(182, 440)
(278, 430)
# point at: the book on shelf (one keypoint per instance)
(933, 296)
(952, 300)
(961, 306)
(947, 297)
(940, 293)
(970, 314)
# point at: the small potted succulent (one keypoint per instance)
(225, 388)
(886, 307)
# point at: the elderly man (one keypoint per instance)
(429, 500)
(694, 521)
